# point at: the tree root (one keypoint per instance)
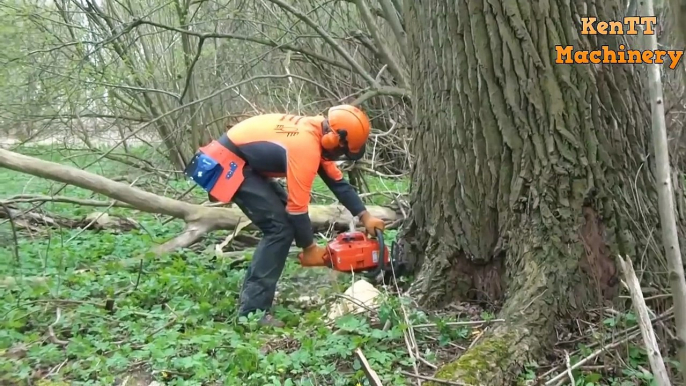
(496, 359)
(504, 350)
(540, 289)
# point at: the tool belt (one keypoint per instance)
(218, 169)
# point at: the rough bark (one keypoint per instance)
(530, 175)
(199, 219)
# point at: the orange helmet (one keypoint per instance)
(346, 130)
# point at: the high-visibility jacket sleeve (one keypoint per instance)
(340, 187)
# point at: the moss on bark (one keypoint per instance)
(530, 175)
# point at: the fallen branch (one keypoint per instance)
(372, 376)
(199, 219)
(219, 248)
(652, 349)
(628, 333)
(25, 198)
(51, 332)
(95, 221)
(559, 377)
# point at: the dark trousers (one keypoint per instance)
(263, 201)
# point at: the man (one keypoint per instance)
(295, 147)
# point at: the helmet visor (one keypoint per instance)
(333, 155)
(342, 151)
(355, 156)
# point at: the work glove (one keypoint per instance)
(313, 256)
(371, 224)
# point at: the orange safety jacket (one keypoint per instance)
(283, 145)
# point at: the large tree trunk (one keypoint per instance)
(530, 175)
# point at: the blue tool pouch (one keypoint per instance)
(204, 171)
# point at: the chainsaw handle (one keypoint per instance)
(382, 257)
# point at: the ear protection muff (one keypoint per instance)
(331, 139)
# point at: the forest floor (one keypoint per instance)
(79, 309)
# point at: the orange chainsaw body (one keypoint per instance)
(354, 251)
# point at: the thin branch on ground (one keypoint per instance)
(372, 376)
(649, 339)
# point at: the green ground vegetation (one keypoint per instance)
(79, 308)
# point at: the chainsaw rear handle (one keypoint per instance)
(382, 257)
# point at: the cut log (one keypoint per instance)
(199, 219)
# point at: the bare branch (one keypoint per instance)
(325, 35)
(382, 90)
(391, 15)
(189, 72)
(398, 5)
(89, 115)
(210, 96)
(284, 46)
(652, 349)
(372, 376)
(384, 52)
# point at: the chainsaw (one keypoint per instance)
(354, 252)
